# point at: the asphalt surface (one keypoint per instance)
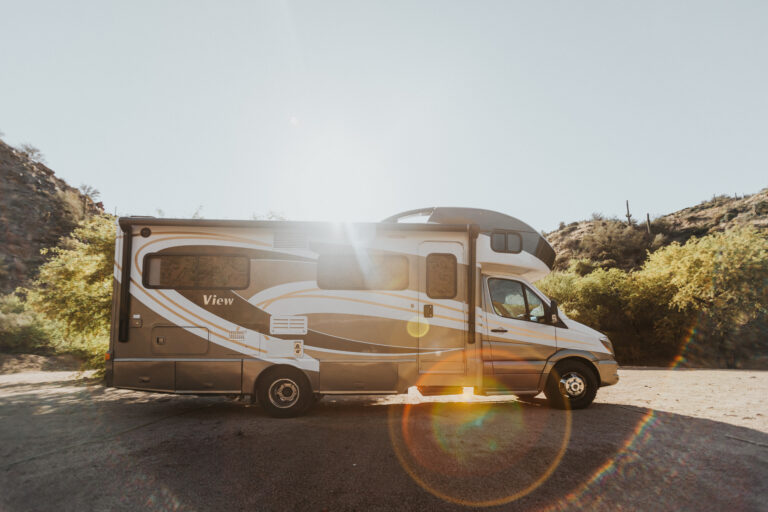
(74, 445)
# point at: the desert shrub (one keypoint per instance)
(760, 208)
(74, 287)
(32, 153)
(73, 208)
(582, 266)
(712, 291)
(90, 192)
(613, 243)
(722, 279)
(23, 330)
(4, 268)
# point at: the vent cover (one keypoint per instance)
(288, 325)
(290, 240)
(237, 335)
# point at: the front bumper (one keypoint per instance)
(609, 372)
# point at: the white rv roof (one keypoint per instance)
(487, 221)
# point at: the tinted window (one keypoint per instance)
(506, 241)
(196, 271)
(499, 242)
(362, 272)
(441, 276)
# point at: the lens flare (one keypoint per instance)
(587, 494)
(680, 360)
(477, 452)
(418, 326)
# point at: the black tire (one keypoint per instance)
(284, 392)
(571, 385)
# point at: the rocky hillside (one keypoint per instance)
(36, 209)
(613, 243)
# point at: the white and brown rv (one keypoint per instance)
(290, 311)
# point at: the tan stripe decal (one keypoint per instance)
(534, 334)
(295, 295)
(217, 236)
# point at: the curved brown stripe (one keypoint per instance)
(237, 310)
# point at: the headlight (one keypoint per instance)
(607, 344)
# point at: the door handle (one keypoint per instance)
(429, 311)
(499, 330)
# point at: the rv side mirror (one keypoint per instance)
(553, 312)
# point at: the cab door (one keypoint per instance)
(517, 338)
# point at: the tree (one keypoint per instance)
(74, 286)
(90, 192)
(32, 153)
(722, 278)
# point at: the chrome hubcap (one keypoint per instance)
(283, 393)
(572, 385)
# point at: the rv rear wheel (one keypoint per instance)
(284, 392)
(571, 385)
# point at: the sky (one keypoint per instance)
(356, 110)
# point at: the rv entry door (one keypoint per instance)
(442, 326)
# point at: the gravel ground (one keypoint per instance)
(660, 440)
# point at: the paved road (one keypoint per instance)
(74, 445)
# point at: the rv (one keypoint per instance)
(438, 298)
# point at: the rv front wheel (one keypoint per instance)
(284, 392)
(571, 385)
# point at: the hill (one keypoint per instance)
(614, 243)
(36, 209)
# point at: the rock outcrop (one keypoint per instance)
(36, 209)
(611, 243)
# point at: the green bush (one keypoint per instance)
(23, 330)
(615, 244)
(74, 288)
(708, 297)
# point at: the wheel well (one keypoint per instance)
(276, 368)
(589, 364)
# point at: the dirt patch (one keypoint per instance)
(17, 363)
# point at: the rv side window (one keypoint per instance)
(199, 271)
(441, 276)
(506, 241)
(362, 272)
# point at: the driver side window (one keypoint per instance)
(507, 298)
(511, 299)
(536, 311)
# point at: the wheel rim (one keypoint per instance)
(572, 385)
(284, 393)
